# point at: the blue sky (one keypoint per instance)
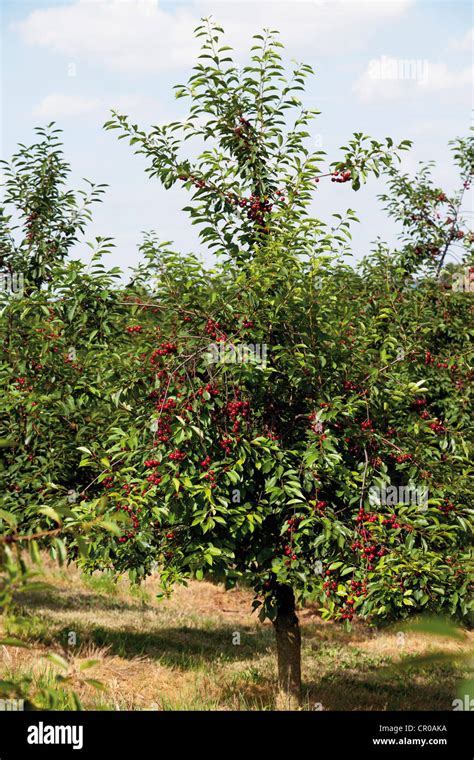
(72, 61)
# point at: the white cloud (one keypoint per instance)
(316, 27)
(138, 36)
(125, 36)
(143, 107)
(57, 106)
(397, 79)
(466, 42)
(440, 77)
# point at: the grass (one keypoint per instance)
(178, 654)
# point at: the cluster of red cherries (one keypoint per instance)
(213, 330)
(177, 456)
(236, 409)
(135, 523)
(344, 176)
(163, 350)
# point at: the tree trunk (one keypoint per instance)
(288, 641)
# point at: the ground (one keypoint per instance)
(179, 654)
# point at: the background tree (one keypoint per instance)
(46, 218)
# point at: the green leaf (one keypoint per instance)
(58, 660)
(50, 512)
(88, 664)
(11, 642)
(9, 518)
(111, 527)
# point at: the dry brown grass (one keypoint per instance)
(178, 653)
